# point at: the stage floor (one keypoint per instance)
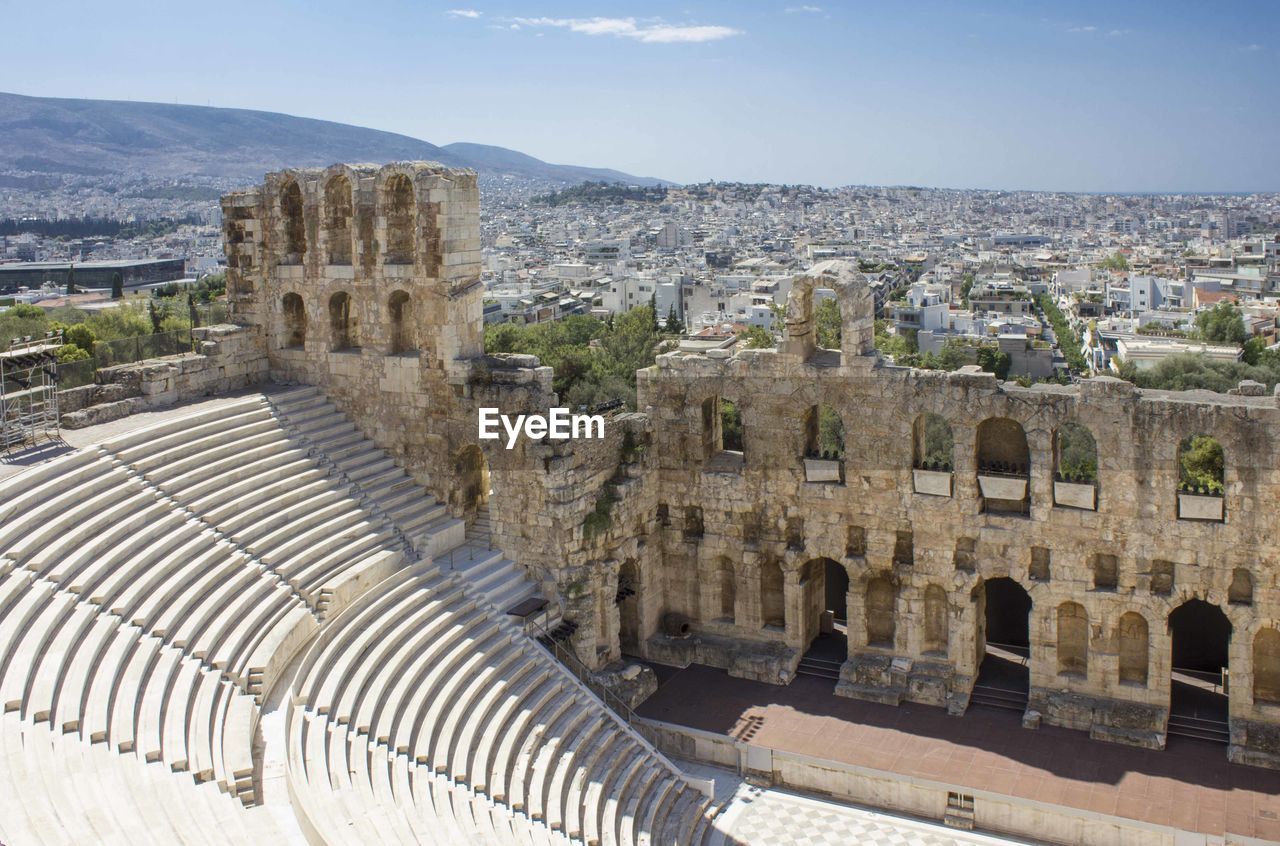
(1190, 785)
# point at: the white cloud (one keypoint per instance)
(464, 13)
(810, 9)
(1251, 48)
(1083, 29)
(648, 33)
(1116, 33)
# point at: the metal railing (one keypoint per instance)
(141, 347)
(620, 709)
(582, 673)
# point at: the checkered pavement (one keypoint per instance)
(773, 818)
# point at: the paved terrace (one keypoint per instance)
(1190, 785)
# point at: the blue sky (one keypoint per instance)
(1087, 96)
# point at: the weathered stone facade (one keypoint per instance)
(366, 281)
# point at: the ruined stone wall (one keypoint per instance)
(227, 358)
(756, 510)
(366, 282)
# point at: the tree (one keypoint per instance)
(1222, 324)
(994, 360)
(117, 285)
(1201, 464)
(154, 314)
(80, 335)
(757, 338)
(191, 311)
(674, 326)
(71, 280)
(653, 311)
(827, 319)
(1116, 261)
(1253, 350)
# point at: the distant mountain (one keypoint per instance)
(100, 137)
(500, 160)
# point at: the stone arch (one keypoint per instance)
(933, 445)
(726, 590)
(1002, 448)
(1073, 639)
(881, 611)
(1266, 666)
(343, 326)
(773, 605)
(1201, 465)
(1240, 591)
(399, 215)
(294, 314)
(937, 620)
(401, 323)
(1075, 454)
(294, 223)
(471, 472)
(857, 312)
(337, 219)
(1134, 643)
(823, 433)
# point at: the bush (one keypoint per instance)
(1200, 465)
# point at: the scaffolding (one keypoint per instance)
(29, 391)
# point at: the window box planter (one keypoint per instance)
(1076, 495)
(1013, 488)
(1199, 507)
(823, 470)
(932, 482)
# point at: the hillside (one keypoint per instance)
(100, 137)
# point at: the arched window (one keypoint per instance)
(295, 321)
(936, 620)
(337, 219)
(1004, 465)
(1266, 666)
(727, 590)
(1075, 455)
(1201, 465)
(295, 228)
(1134, 648)
(402, 323)
(772, 595)
(880, 609)
(343, 331)
(399, 215)
(823, 433)
(730, 426)
(1073, 639)
(1002, 448)
(933, 445)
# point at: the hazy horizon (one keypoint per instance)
(1111, 98)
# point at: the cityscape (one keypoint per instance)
(787, 424)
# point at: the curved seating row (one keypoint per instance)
(418, 676)
(155, 587)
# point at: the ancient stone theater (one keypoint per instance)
(281, 585)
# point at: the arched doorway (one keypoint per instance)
(1201, 641)
(825, 590)
(1003, 644)
(628, 602)
(472, 473)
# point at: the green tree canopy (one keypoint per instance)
(1200, 465)
(1222, 324)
